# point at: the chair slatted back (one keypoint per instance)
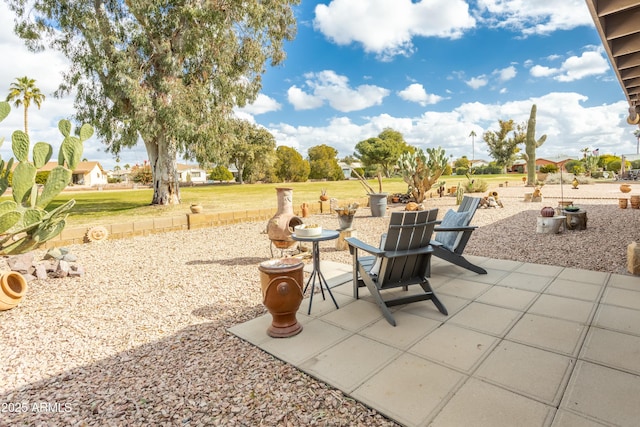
(407, 231)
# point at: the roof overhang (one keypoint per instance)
(618, 23)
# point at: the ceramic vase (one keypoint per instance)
(281, 281)
(13, 286)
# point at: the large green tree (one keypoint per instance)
(167, 72)
(22, 92)
(503, 144)
(290, 166)
(323, 162)
(382, 151)
(250, 143)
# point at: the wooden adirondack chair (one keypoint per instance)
(403, 259)
(453, 233)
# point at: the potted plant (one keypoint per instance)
(346, 214)
(377, 201)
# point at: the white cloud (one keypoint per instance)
(334, 89)
(262, 104)
(506, 74)
(535, 17)
(387, 27)
(590, 63)
(477, 82)
(563, 117)
(416, 93)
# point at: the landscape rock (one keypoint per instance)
(53, 253)
(20, 263)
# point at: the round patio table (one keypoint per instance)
(316, 273)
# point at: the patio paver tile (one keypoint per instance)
(571, 289)
(347, 364)
(501, 296)
(617, 318)
(562, 336)
(603, 393)
(525, 281)
(536, 373)
(480, 404)
(625, 282)
(410, 329)
(486, 318)
(569, 419)
(584, 276)
(456, 347)
(409, 390)
(540, 269)
(360, 314)
(463, 288)
(501, 264)
(428, 309)
(613, 349)
(563, 308)
(315, 337)
(622, 298)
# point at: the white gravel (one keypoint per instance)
(141, 338)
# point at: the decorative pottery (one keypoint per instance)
(635, 202)
(345, 221)
(13, 286)
(195, 208)
(305, 210)
(575, 183)
(625, 188)
(281, 281)
(622, 203)
(378, 204)
(281, 225)
(547, 211)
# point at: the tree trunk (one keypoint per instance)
(240, 168)
(162, 156)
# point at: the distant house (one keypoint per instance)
(520, 165)
(89, 174)
(191, 174)
(348, 168)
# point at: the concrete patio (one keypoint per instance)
(525, 345)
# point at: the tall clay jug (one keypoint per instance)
(281, 282)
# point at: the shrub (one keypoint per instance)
(475, 186)
(220, 173)
(572, 165)
(461, 171)
(550, 168)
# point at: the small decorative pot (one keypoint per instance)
(13, 286)
(622, 203)
(196, 208)
(625, 188)
(635, 202)
(547, 211)
(305, 210)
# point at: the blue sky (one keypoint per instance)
(434, 70)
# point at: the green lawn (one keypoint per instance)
(99, 207)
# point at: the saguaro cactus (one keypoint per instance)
(24, 222)
(420, 171)
(530, 147)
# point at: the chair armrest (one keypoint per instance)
(461, 228)
(359, 244)
(408, 252)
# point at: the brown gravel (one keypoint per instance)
(142, 338)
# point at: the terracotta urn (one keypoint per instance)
(305, 210)
(625, 188)
(281, 281)
(13, 286)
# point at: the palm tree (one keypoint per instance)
(473, 145)
(22, 92)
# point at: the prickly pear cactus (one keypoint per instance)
(459, 194)
(420, 171)
(24, 222)
(530, 147)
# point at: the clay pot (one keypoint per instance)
(635, 202)
(13, 286)
(324, 198)
(305, 210)
(622, 203)
(625, 188)
(547, 211)
(195, 208)
(281, 281)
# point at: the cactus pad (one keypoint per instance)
(20, 145)
(42, 153)
(65, 127)
(24, 176)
